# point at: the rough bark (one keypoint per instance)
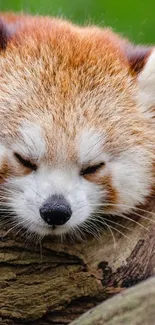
(134, 307)
(56, 284)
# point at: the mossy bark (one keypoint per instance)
(58, 282)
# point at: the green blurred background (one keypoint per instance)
(132, 18)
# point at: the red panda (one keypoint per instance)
(76, 126)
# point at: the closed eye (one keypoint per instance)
(91, 169)
(25, 162)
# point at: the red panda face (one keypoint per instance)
(75, 140)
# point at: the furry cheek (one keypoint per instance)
(109, 194)
(132, 179)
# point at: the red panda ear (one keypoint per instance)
(5, 34)
(141, 60)
(137, 56)
(146, 82)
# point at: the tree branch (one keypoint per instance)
(56, 283)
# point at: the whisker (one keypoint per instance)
(123, 205)
(79, 234)
(91, 229)
(128, 218)
(109, 220)
(12, 228)
(143, 217)
(37, 193)
(119, 232)
(112, 234)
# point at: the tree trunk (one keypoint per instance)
(56, 283)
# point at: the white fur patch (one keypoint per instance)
(31, 142)
(129, 178)
(90, 147)
(146, 82)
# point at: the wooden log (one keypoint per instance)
(54, 283)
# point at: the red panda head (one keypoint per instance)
(76, 127)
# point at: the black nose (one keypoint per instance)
(56, 211)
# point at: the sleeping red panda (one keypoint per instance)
(76, 127)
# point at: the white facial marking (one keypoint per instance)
(129, 178)
(90, 146)
(31, 142)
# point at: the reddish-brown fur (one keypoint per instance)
(73, 66)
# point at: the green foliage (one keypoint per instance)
(132, 18)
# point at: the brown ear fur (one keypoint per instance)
(137, 56)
